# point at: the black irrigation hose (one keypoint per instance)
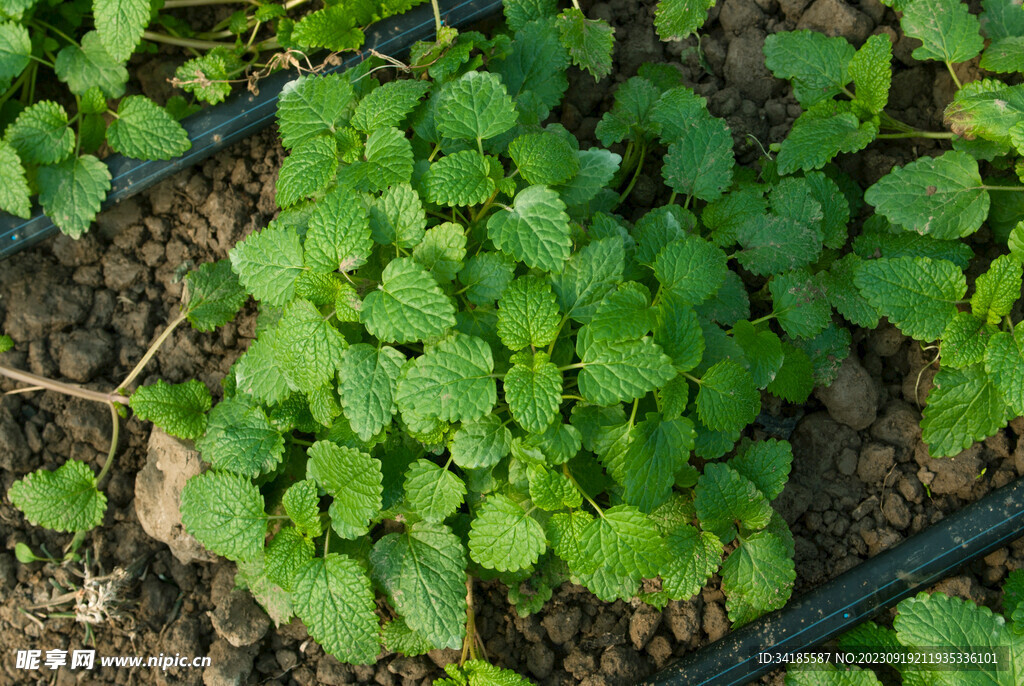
(856, 595)
(242, 115)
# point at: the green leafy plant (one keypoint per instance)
(936, 625)
(909, 262)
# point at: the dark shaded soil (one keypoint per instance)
(84, 311)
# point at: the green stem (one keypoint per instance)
(578, 365)
(1001, 188)
(632, 415)
(184, 42)
(572, 479)
(175, 4)
(942, 135)
(573, 397)
(54, 29)
(949, 66)
(691, 377)
(437, 20)
(150, 353)
(636, 175)
(61, 387)
(22, 79)
(558, 331)
(115, 433)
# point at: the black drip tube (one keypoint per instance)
(242, 115)
(856, 595)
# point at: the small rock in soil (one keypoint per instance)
(846, 463)
(8, 571)
(879, 540)
(540, 660)
(76, 252)
(792, 9)
(86, 422)
(562, 623)
(579, 663)
(406, 667)
(836, 18)
(851, 399)
(330, 672)
(876, 459)
(239, 620)
(620, 662)
(737, 15)
(169, 464)
(683, 619)
(910, 489)
(14, 450)
(896, 511)
(950, 475)
(744, 66)
(886, 340)
(46, 306)
(642, 625)
(85, 354)
(819, 435)
(715, 622)
(155, 601)
(899, 425)
(229, 666)
(660, 651)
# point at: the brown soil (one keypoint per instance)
(85, 311)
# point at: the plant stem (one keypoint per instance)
(1000, 188)
(949, 66)
(551, 348)
(568, 474)
(437, 19)
(151, 352)
(175, 4)
(636, 175)
(469, 643)
(114, 435)
(578, 365)
(184, 42)
(918, 134)
(61, 387)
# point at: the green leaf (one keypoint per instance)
(693, 557)
(224, 512)
(942, 196)
(624, 314)
(240, 439)
(795, 379)
(15, 50)
(504, 537)
(460, 179)
(590, 274)
(766, 463)
(815, 139)
(207, 77)
(333, 27)
(302, 504)
(816, 64)
(268, 263)
(481, 444)
(589, 41)
(727, 399)
(620, 371)
(623, 543)
(368, 384)
(475, 106)
(180, 409)
(871, 71)
(597, 168)
(120, 24)
(354, 479)
(988, 113)
(41, 134)
(432, 491)
(948, 32)
(699, 163)
(917, 294)
(14, 191)
(677, 19)
(6, 343)
(427, 566)
(657, 454)
(724, 496)
(842, 293)
(71, 192)
(399, 638)
(309, 348)
(334, 599)
(398, 217)
(997, 290)
(145, 131)
(534, 230)
(534, 70)
(338, 237)
(1004, 56)
(408, 306)
(965, 406)
(774, 243)
(533, 390)
(313, 105)
(214, 295)
(551, 490)
(528, 314)
(389, 159)
(799, 304)
(691, 269)
(307, 170)
(286, 556)
(965, 339)
(679, 334)
(630, 116)
(1001, 18)
(762, 350)
(757, 577)
(451, 381)
(1004, 363)
(389, 104)
(486, 276)
(442, 250)
(65, 499)
(724, 217)
(544, 158)
(519, 13)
